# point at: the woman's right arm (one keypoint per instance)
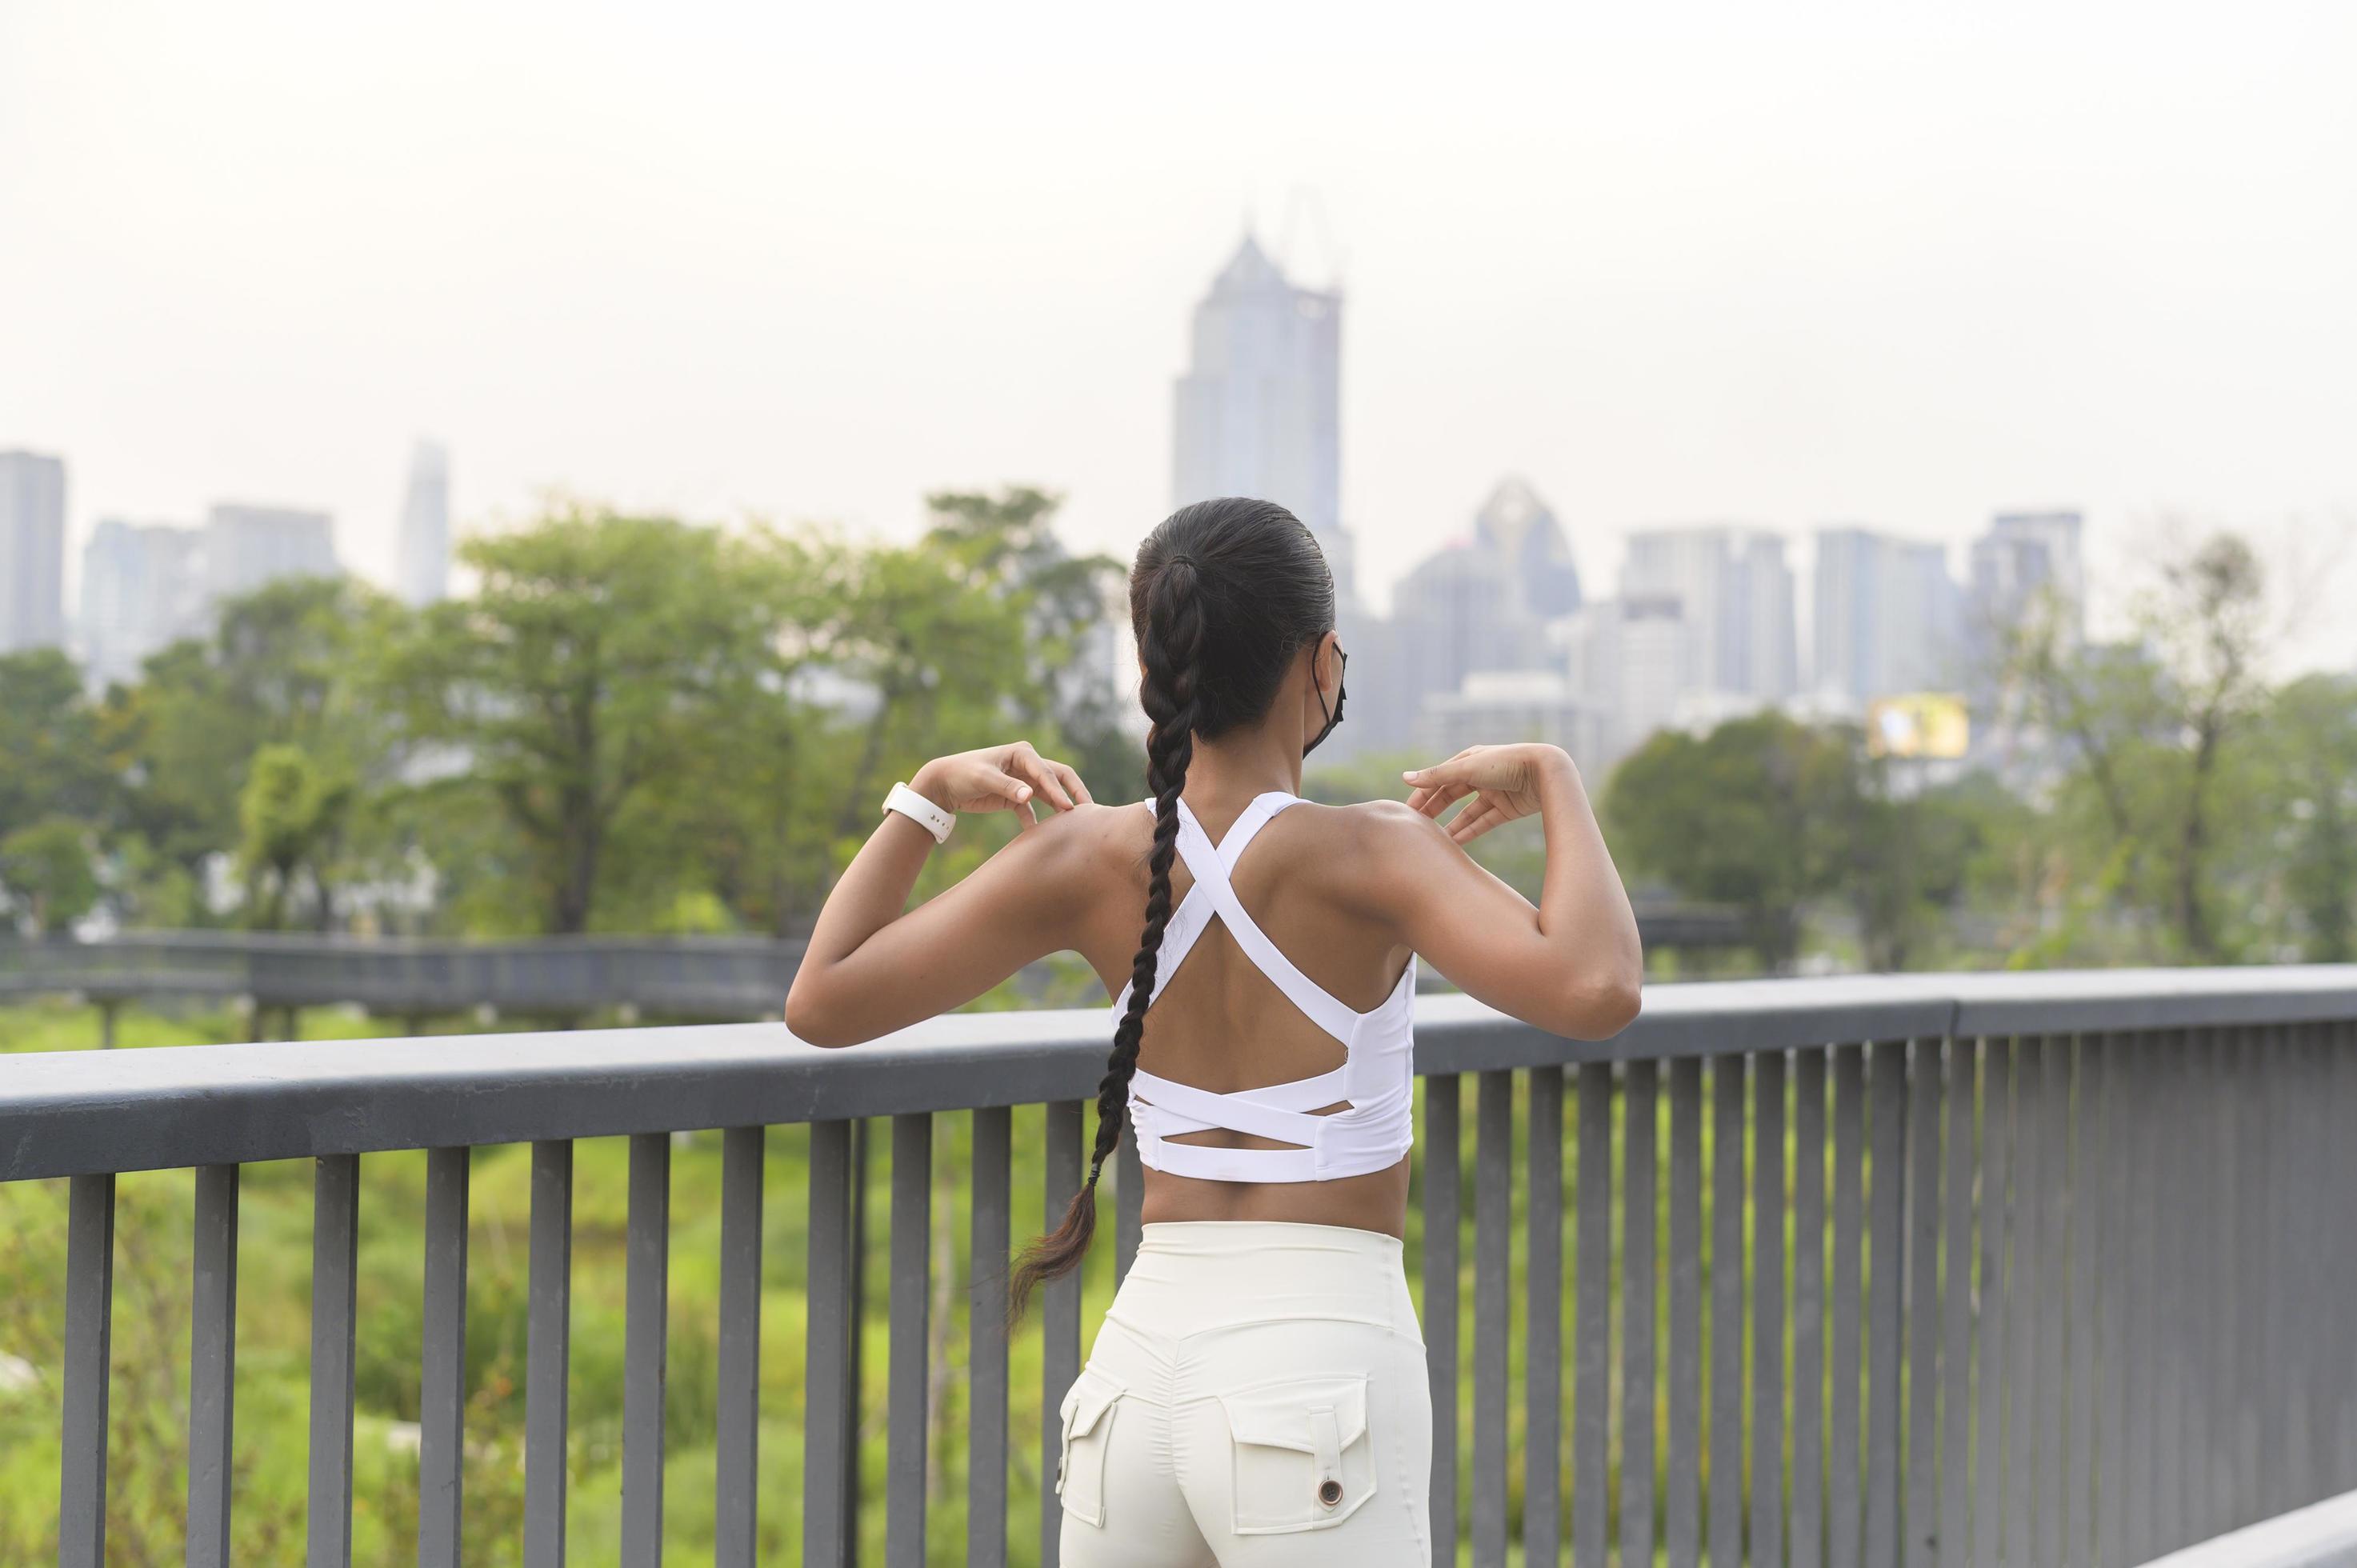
(1571, 964)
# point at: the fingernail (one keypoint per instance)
(1023, 791)
(1409, 774)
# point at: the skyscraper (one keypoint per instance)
(32, 551)
(1735, 592)
(1626, 659)
(140, 590)
(426, 527)
(247, 546)
(1259, 411)
(1887, 616)
(2027, 560)
(1523, 530)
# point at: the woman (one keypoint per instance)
(1258, 1394)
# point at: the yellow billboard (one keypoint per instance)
(1917, 724)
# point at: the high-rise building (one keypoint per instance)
(1495, 706)
(1886, 616)
(426, 527)
(2027, 561)
(140, 590)
(1259, 411)
(1523, 530)
(32, 551)
(1735, 593)
(247, 546)
(1625, 659)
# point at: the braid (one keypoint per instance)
(1170, 655)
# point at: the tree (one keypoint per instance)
(597, 652)
(46, 870)
(51, 763)
(2149, 726)
(2308, 741)
(1005, 546)
(292, 812)
(287, 664)
(1746, 815)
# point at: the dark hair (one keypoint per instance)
(1221, 597)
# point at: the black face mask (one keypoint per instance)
(1340, 690)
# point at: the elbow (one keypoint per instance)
(810, 1020)
(1602, 1006)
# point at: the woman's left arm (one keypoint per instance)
(875, 965)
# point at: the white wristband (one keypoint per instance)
(921, 811)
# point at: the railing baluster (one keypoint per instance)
(737, 1429)
(212, 1366)
(1730, 1114)
(89, 1360)
(1059, 1323)
(911, 1305)
(2249, 1198)
(335, 1267)
(1543, 1348)
(1494, 1198)
(646, 1347)
(442, 1390)
(1443, 1208)
(1768, 1310)
(2174, 1446)
(830, 1417)
(1959, 1103)
(1922, 1305)
(1807, 1547)
(2025, 1304)
(2140, 1274)
(990, 1223)
(1844, 1516)
(2118, 1133)
(2108, 1198)
(1591, 1414)
(1681, 1456)
(2215, 1093)
(2085, 1134)
(1640, 1298)
(2313, 1224)
(2343, 1331)
(1886, 1208)
(1128, 1203)
(1989, 1482)
(2053, 1198)
(549, 1353)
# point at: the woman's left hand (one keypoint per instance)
(1000, 778)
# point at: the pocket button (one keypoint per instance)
(1330, 1493)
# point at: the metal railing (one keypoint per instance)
(2048, 1269)
(717, 978)
(679, 977)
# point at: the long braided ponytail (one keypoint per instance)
(1221, 595)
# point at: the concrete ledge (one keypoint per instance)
(2323, 1535)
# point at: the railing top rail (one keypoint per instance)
(69, 1113)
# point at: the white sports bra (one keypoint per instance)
(1376, 1079)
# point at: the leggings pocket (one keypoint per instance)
(1088, 1415)
(1302, 1454)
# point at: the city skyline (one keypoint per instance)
(1834, 266)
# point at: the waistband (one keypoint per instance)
(1192, 1276)
(1227, 1237)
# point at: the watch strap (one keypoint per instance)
(912, 805)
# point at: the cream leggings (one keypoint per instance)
(1256, 1396)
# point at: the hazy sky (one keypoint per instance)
(1784, 265)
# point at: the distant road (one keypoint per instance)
(715, 978)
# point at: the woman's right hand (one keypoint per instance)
(1505, 781)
